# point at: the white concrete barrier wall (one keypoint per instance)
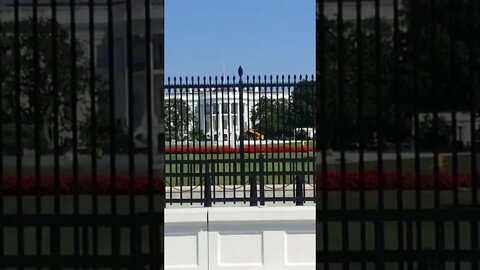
(236, 238)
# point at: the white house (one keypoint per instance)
(218, 112)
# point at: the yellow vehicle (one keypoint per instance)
(256, 135)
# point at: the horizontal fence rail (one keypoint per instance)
(242, 142)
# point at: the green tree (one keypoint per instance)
(178, 119)
(302, 105)
(27, 82)
(197, 134)
(339, 98)
(429, 135)
(444, 53)
(270, 117)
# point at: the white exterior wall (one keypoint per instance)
(240, 238)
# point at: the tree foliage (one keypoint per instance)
(178, 118)
(302, 103)
(35, 79)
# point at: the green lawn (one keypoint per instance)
(184, 174)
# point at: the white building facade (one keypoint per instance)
(217, 113)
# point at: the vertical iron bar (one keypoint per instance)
(284, 126)
(206, 127)
(415, 36)
(149, 98)
(230, 125)
(321, 142)
(451, 82)
(182, 123)
(398, 150)
(38, 115)
(74, 99)
(473, 83)
(2, 180)
(341, 124)
(277, 161)
(261, 162)
(113, 129)
(222, 152)
(131, 146)
(204, 130)
(433, 37)
(272, 130)
(242, 127)
(360, 112)
(93, 128)
(54, 233)
(212, 137)
(252, 167)
(169, 130)
(194, 164)
(439, 234)
(219, 114)
(183, 90)
(379, 229)
(18, 123)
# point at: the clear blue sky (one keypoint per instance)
(266, 37)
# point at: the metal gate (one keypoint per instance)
(80, 185)
(398, 103)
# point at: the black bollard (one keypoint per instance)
(253, 191)
(300, 181)
(207, 197)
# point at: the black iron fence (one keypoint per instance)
(397, 94)
(246, 141)
(78, 134)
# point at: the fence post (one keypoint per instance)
(207, 197)
(242, 126)
(262, 180)
(300, 181)
(253, 190)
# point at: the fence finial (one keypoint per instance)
(240, 71)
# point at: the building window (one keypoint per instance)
(158, 51)
(102, 56)
(234, 120)
(225, 122)
(208, 125)
(234, 107)
(215, 123)
(215, 108)
(225, 108)
(138, 53)
(207, 109)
